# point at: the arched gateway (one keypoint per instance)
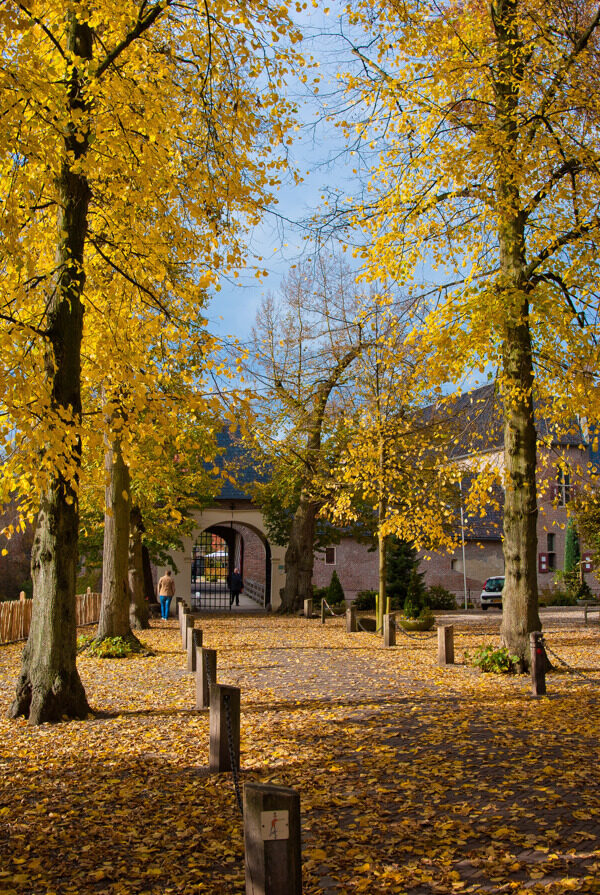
(229, 534)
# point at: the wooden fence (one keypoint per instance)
(15, 615)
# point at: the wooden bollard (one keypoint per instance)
(224, 722)
(389, 630)
(273, 857)
(351, 620)
(194, 642)
(446, 645)
(188, 625)
(538, 664)
(181, 613)
(206, 674)
(308, 607)
(322, 612)
(22, 596)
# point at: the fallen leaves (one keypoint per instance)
(412, 778)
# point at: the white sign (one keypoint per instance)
(275, 825)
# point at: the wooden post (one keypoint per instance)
(322, 611)
(389, 630)
(272, 840)
(585, 612)
(206, 674)
(181, 613)
(351, 620)
(22, 596)
(224, 722)
(184, 627)
(308, 606)
(538, 663)
(186, 634)
(194, 643)
(89, 590)
(446, 645)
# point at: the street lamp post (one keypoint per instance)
(462, 537)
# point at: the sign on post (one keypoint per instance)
(272, 840)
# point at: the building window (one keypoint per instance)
(563, 486)
(551, 537)
(456, 565)
(330, 556)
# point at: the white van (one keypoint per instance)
(491, 595)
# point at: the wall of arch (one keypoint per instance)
(223, 515)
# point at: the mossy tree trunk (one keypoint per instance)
(299, 557)
(114, 609)
(49, 687)
(138, 605)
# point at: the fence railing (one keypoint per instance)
(15, 615)
(255, 590)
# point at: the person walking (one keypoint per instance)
(236, 586)
(166, 592)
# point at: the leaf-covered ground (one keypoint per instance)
(413, 778)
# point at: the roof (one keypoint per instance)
(239, 468)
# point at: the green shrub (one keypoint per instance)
(365, 600)
(318, 594)
(335, 591)
(558, 598)
(495, 660)
(112, 647)
(411, 609)
(437, 597)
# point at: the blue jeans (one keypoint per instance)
(165, 602)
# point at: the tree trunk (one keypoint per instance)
(49, 687)
(149, 588)
(520, 597)
(299, 557)
(114, 609)
(138, 606)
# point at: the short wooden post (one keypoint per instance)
(585, 612)
(322, 611)
(224, 724)
(389, 630)
(206, 674)
(194, 643)
(181, 613)
(22, 596)
(89, 590)
(308, 607)
(538, 663)
(272, 840)
(186, 633)
(184, 626)
(351, 620)
(446, 645)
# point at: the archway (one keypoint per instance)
(217, 550)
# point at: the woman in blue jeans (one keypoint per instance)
(166, 592)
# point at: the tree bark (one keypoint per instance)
(49, 687)
(299, 557)
(114, 608)
(138, 606)
(520, 596)
(149, 588)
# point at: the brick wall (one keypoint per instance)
(254, 554)
(357, 568)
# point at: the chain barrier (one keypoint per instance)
(589, 680)
(398, 627)
(335, 614)
(206, 671)
(366, 630)
(232, 755)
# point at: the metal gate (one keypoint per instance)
(210, 571)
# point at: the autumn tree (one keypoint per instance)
(394, 461)
(136, 138)
(485, 117)
(303, 350)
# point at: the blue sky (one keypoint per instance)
(317, 152)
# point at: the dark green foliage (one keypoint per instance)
(318, 594)
(365, 600)
(112, 647)
(437, 597)
(495, 660)
(557, 598)
(335, 591)
(403, 579)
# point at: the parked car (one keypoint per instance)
(491, 595)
